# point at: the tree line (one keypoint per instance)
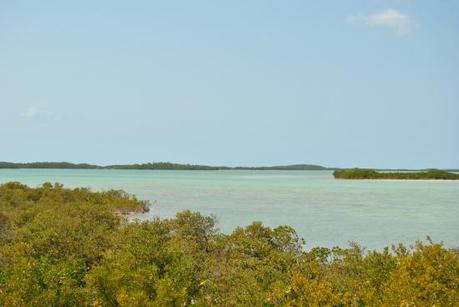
(360, 173)
(156, 165)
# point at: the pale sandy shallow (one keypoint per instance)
(130, 213)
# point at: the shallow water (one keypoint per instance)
(324, 211)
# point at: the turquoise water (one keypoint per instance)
(324, 211)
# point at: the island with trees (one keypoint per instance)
(71, 247)
(361, 173)
(153, 166)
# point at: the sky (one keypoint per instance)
(339, 83)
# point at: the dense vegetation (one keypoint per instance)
(164, 165)
(360, 173)
(65, 165)
(157, 165)
(294, 167)
(62, 247)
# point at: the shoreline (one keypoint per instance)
(371, 174)
(401, 180)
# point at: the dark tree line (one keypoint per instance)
(157, 165)
(359, 173)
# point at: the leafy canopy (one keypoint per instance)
(74, 247)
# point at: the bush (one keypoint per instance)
(360, 173)
(62, 247)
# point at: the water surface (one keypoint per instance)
(324, 211)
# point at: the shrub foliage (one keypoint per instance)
(362, 173)
(64, 247)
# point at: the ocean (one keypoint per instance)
(324, 211)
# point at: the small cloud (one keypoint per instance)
(31, 112)
(34, 112)
(390, 18)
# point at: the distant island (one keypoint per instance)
(155, 166)
(360, 173)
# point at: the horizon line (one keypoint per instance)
(17, 165)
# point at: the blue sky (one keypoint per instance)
(339, 83)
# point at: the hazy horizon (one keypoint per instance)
(232, 166)
(338, 84)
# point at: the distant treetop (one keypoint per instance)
(156, 165)
(360, 173)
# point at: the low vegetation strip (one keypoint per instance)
(70, 247)
(360, 173)
(153, 166)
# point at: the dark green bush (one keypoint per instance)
(63, 247)
(360, 173)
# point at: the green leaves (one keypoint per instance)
(62, 247)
